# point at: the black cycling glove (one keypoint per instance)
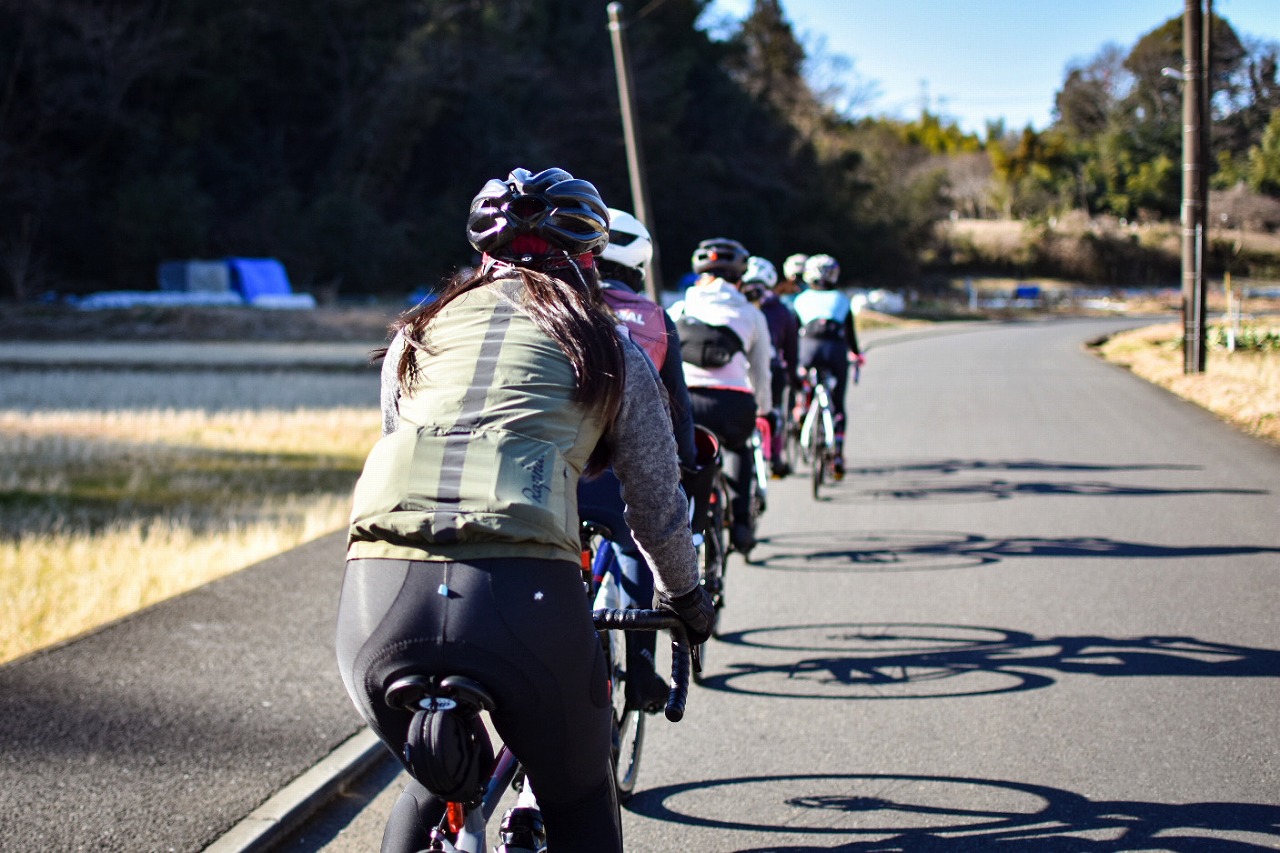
(696, 611)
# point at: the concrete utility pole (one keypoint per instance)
(1195, 123)
(631, 136)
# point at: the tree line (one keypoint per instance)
(347, 138)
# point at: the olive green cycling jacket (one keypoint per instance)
(489, 447)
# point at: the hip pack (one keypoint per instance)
(705, 345)
(823, 330)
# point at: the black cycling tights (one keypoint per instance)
(521, 628)
(731, 415)
(833, 357)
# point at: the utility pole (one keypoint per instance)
(1195, 90)
(631, 136)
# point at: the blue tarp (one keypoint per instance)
(259, 277)
(194, 276)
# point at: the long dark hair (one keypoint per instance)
(564, 306)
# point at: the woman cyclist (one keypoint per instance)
(724, 341)
(463, 546)
(828, 336)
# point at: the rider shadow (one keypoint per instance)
(881, 661)
(923, 550)
(884, 813)
(955, 466)
(981, 491)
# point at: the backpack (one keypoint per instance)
(705, 345)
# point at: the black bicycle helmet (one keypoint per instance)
(563, 210)
(721, 256)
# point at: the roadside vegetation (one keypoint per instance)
(1241, 387)
(103, 513)
(379, 137)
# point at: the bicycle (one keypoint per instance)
(710, 520)
(761, 445)
(817, 427)
(463, 828)
(602, 576)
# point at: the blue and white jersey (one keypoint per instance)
(811, 305)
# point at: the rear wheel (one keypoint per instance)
(713, 557)
(819, 453)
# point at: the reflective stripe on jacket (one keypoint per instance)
(489, 446)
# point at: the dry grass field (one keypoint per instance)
(120, 488)
(105, 512)
(1241, 387)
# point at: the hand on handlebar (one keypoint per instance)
(696, 611)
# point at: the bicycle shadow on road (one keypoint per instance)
(926, 550)
(884, 813)
(851, 491)
(877, 661)
(933, 480)
(891, 468)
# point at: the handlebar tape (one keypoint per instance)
(656, 620)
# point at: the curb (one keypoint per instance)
(268, 824)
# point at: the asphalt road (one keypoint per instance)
(1039, 615)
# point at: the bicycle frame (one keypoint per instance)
(760, 443)
(819, 414)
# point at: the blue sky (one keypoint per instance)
(983, 59)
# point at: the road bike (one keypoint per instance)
(603, 577)
(463, 828)
(710, 518)
(761, 445)
(817, 428)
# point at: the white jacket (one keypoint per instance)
(718, 303)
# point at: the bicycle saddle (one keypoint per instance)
(447, 747)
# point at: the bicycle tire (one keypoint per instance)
(759, 486)
(818, 451)
(628, 732)
(713, 556)
(627, 721)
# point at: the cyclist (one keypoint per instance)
(463, 551)
(828, 336)
(758, 284)
(621, 267)
(724, 341)
(792, 277)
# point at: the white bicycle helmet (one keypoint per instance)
(821, 271)
(761, 270)
(793, 266)
(629, 242)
